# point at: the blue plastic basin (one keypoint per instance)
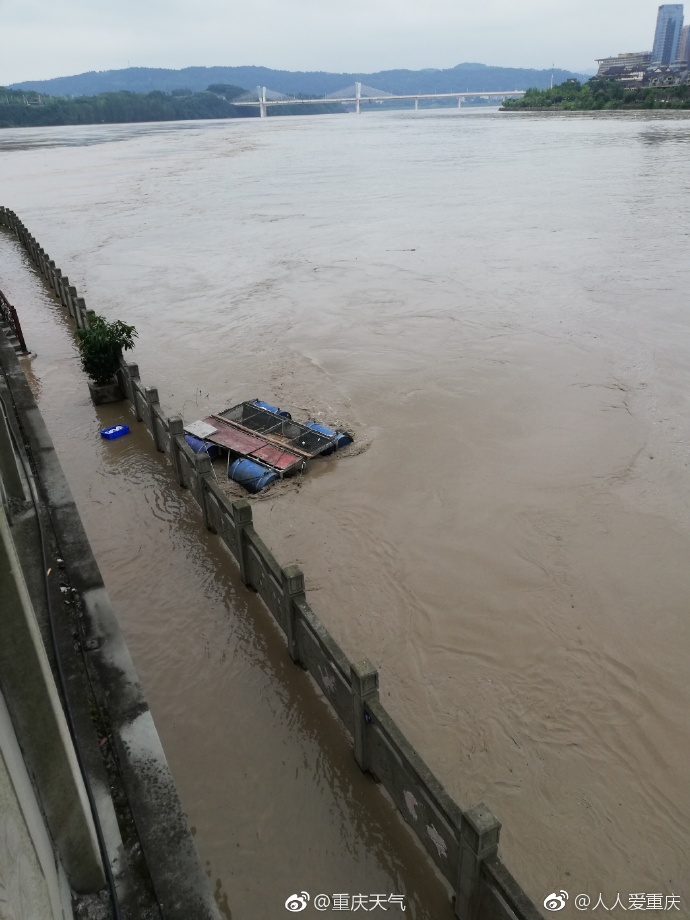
(117, 431)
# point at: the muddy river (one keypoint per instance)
(497, 305)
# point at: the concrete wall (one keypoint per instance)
(33, 882)
(32, 697)
(463, 844)
(48, 835)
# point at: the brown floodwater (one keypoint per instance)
(497, 305)
(264, 771)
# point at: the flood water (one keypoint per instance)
(497, 305)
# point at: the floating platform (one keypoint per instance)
(267, 435)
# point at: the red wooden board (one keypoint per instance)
(250, 445)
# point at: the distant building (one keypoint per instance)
(629, 67)
(675, 75)
(668, 63)
(684, 47)
(669, 25)
(635, 69)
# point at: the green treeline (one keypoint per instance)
(602, 94)
(24, 108)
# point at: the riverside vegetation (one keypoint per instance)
(27, 108)
(573, 96)
(101, 345)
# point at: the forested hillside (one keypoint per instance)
(463, 78)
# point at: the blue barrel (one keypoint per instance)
(269, 408)
(202, 447)
(342, 438)
(253, 476)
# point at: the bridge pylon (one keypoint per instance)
(261, 92)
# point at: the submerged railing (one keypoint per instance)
(462, 843)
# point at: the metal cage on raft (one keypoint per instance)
(301, 438)
(265, 443)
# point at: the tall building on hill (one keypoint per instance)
(669, 24)
(684, 48)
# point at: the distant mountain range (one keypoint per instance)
(463, 78)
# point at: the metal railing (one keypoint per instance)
(8, 317)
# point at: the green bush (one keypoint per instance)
(101, 344)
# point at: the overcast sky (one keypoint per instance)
(49, 38)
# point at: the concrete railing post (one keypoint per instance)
(479, 833)
(64, 294)
(176, 430)
(50, 267)
(134, 379)
(71, 301)
(365, 687)
(80, 311)
(204, 471)
(64, 290)
(242, 516)
(122, 375)
(127, 369)
(151, 401)
(293, 589)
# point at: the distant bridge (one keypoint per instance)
(358, 92)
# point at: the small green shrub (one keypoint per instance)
(101, 344)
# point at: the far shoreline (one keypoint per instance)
(675, 113)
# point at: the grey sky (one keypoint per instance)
(49, 38)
